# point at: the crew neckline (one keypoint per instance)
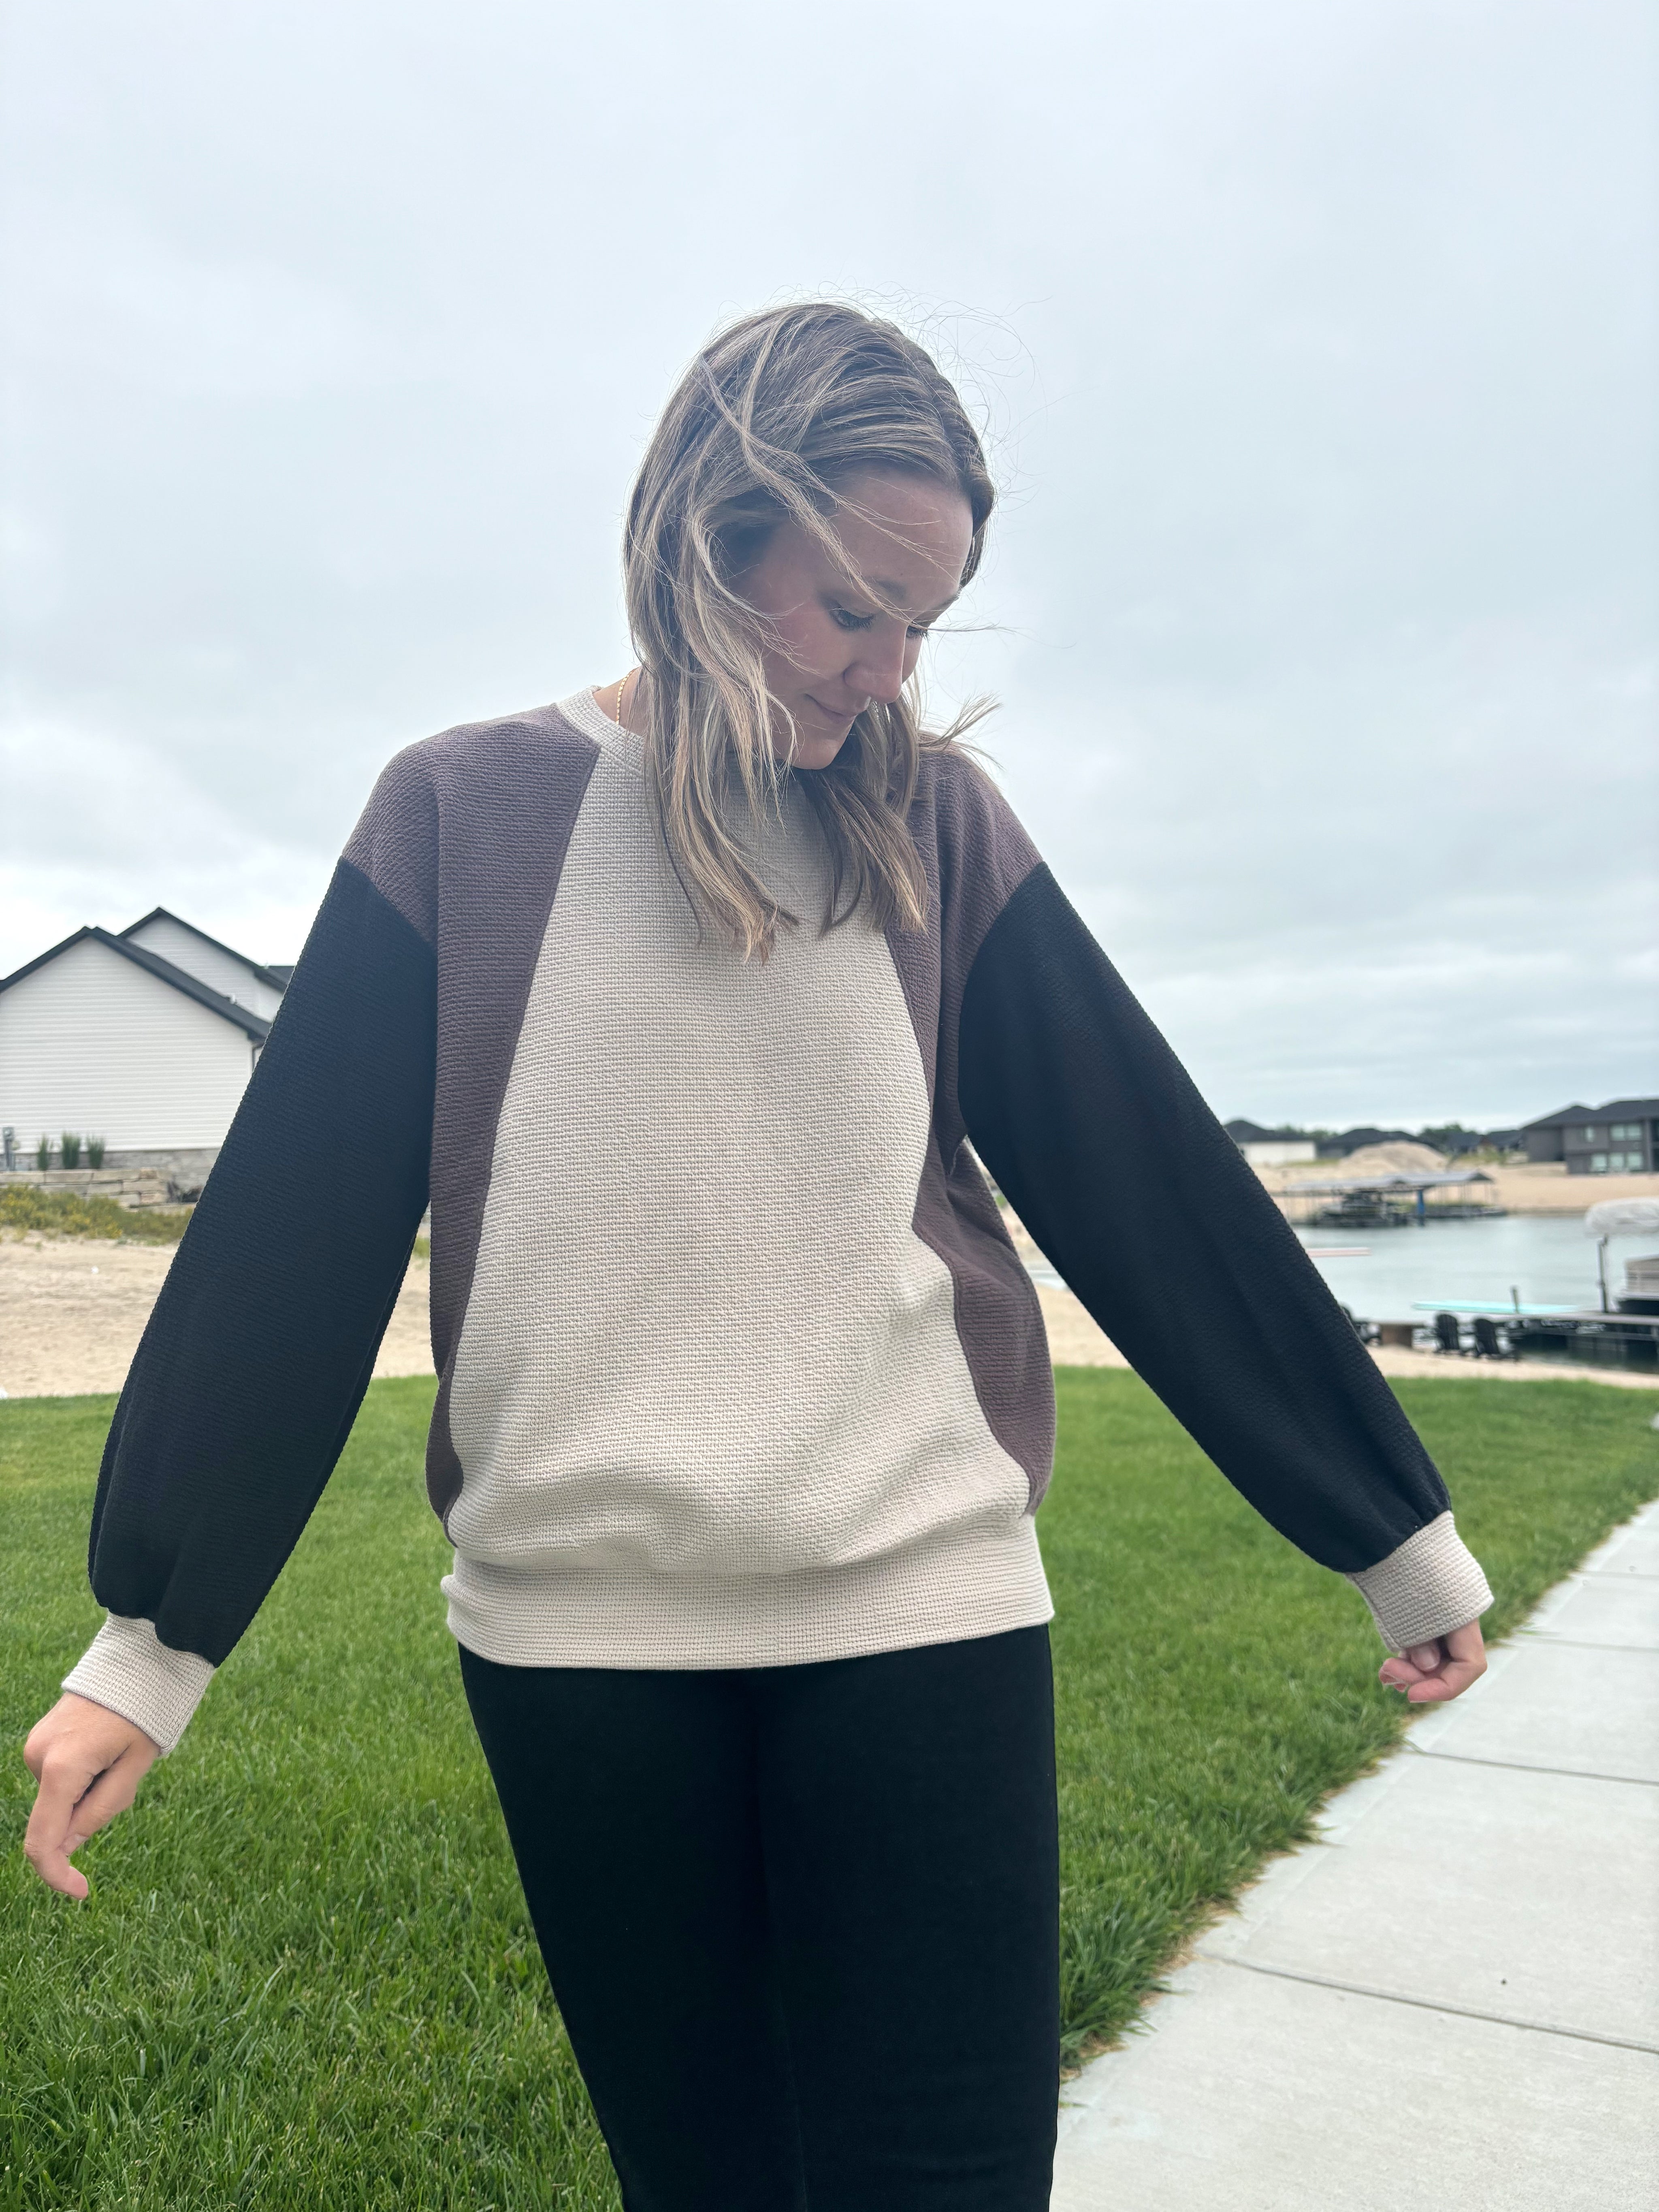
(582, 709)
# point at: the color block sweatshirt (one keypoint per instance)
(736, 1364)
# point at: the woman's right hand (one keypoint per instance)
(88, 1762)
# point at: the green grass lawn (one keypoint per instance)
(305, 1979)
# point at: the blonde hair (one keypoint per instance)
(770, 423)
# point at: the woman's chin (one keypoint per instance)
(817, 748)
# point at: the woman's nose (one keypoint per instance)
(879, 670)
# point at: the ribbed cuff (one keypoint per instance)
(128, 1668)
(1431, 1584)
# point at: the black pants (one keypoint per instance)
(802, 1922)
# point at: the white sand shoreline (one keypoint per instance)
(1535, 1187)
(72, 1310)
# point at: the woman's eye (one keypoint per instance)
(920, 630)
(846, 619)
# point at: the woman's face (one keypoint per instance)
(839, 635)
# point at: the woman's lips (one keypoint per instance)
(848, 715)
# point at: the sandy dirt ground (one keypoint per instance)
(1395, 1360)
(1548, 1188)
(1540, 1188)
(72, 1310)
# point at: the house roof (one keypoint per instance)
(1252, 1133)
(252, 1024)
(277, 977)
(1616, 1109)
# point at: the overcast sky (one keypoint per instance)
(1317, 342)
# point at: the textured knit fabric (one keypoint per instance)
(736, 1364)
(1411, 1592)
(830, 1890)
(127, 1669)
(717, 1413)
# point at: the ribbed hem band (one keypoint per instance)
(973, 1585)
(128, 1668)
(1431, 1584)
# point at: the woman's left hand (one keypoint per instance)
(1429, 1674)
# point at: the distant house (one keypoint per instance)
(1621, 1138)
(1270, 1148)
(145, 1038)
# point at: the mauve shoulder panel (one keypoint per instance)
(975, 855)
(395, 843)
(504, 797)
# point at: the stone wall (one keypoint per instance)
(130, 1187)
(185, 1166)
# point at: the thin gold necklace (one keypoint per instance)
(621, 689)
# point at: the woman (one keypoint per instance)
(682, 1000)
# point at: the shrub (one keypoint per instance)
(66, 1213)
(43, 1154)
(94, 1152)
(68, 1146)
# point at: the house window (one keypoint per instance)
(1598, 1163)
(1590, 1136)
(1621, 1131)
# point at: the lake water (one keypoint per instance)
(1545, 1259)
(1548, 1259)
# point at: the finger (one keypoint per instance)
(1425, 1657)
(1463, 1663)
(58, 1873)
(1454, 1678)
(62, 1784)
(81, 1729)
(112, 1793)
(1435, 1689)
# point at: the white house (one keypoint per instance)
(146, 1039)
(1280, 1152)
(1271, 1148)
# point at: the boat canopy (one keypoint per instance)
(1622, 1217)
(1401, 1181)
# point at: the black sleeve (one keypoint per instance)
(1144, 1206)
(263, 1339)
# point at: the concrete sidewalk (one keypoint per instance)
(1452, 1998)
